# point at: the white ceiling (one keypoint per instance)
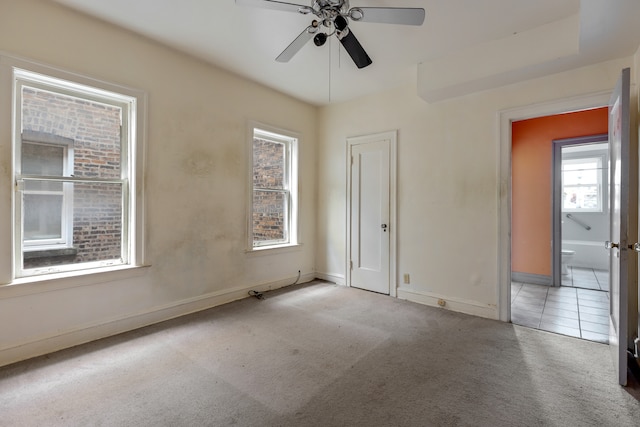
(246, 40)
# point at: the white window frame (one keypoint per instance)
(291, 143)
(601, 167)
(13, 73)
(66, 239)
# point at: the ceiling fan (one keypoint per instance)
(332, 17)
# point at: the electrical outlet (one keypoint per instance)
(407, 278)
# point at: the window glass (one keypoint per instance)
(41, 159)
(269, 159)
(42, 217)
(269, 208)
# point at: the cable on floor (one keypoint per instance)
(256, 294)
(298, 278)
(260, 295)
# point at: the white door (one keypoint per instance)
(620, 205)
(370, 213)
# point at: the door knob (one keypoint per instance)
(384, 227)
(611, 245)
(635, 247)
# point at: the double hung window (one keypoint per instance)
(582, 184)
(75, 161)
(46, 205)
(274, 190)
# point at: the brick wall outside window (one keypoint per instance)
(95, 130)
(268, 207)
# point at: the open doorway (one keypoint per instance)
(538, 298)
(580, 212)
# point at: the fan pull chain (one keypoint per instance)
(330, 55)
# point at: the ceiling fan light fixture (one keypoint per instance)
(320, 39)
(356, 14)
(340, 22)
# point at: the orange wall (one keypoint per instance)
(531, 158)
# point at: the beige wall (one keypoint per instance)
(195, 183)
(448, 169)
(448, 189)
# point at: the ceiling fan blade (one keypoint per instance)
(297, 44)
(355, 50)
(277, 5)
(388, 15)
(351, 44)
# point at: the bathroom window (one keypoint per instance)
(582, 180)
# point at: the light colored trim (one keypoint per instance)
(475, 308)
(347, 216)
(293, 140)
(7, 217)
(504, 119)
(272, 250)
(94, 331)
(132, 100)
(535, 279)
(338, 279)
(137, 185)
(393, 211)
(392, 136)
(31, 285)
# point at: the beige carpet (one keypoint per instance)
(321, 355)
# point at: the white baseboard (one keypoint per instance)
(106, 328)
(475, 308)
(338, 279)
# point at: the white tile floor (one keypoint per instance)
(568, 310)
(586, 278)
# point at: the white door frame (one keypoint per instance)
(392, 136)
(556, 197)
(504, 120)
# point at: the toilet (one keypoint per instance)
(566, 256)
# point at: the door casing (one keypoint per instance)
(504, 120)
(556, 204)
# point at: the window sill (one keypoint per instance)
(53, 282)
(273, 250)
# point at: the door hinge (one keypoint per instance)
(351, 160)
(351, 265)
